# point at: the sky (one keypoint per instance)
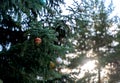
(115, 3)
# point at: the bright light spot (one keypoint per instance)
(113, 30)
(89, 66)
(39, 78)
(71, 55)
(114, 43)
(90, 53)
(104, 73)
(1, 47)
(65, 70)
(66, 62)
(75, 42)
(103, 49)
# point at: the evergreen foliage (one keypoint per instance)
(86, 29)
(21, 59)
(92, 23)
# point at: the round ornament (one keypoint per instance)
(42, 2)
(38, 41)
(59, 60)
(52, 65)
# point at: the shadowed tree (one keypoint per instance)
(27, 37)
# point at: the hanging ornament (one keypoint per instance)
(38, 41)
(42, 2)
(59, 60)
(52, 65)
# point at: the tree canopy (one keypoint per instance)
(22, 60)
(36, 40)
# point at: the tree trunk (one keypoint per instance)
(99, 74)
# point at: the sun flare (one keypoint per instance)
(89, 66)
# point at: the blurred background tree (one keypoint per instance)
(95, 38)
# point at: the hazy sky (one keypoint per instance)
(115, 2)
(117, 6)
